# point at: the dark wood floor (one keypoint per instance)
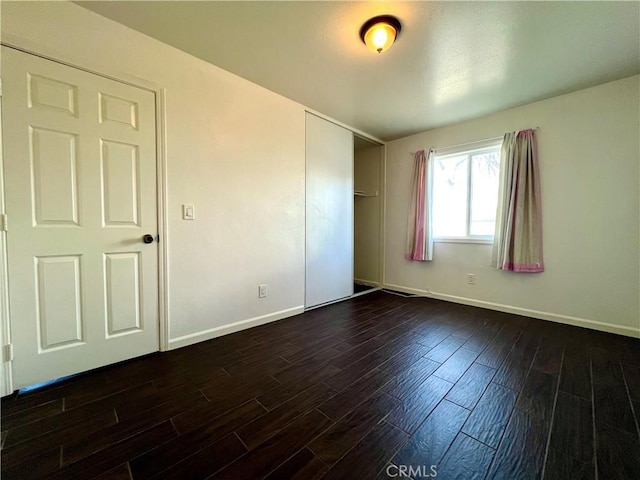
(356, 390)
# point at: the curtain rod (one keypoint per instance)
(471, 143)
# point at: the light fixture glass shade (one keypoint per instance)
(379, 33)
(380, 37)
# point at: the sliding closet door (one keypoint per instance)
(329, 210)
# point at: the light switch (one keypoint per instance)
(188, 212)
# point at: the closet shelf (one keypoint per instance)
(360, 193)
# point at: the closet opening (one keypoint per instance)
(367, 215)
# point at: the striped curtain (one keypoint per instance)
(517, 244)
(419, 230)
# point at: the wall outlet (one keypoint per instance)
(262, 291)
(471, 278)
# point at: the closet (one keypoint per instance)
(329, 212)
(343, 212)
(367, 214)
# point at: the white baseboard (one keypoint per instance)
(366, 292)
(369, 283)
(232, 328)
(553, 317)
(411, 291)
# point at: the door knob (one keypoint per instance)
(147, 238)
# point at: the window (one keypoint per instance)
(465, 194)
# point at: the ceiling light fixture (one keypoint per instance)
(379, 33)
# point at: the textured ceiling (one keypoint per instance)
(452, 61)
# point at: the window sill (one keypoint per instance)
(477, 241)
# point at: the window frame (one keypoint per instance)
(468, 150)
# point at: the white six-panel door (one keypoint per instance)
(80, 183)
(329, 212)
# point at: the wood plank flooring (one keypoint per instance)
(377, 387)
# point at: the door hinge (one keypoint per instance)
(4, 221)
(8, 352)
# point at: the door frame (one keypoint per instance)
(160, 93)
(6, 379)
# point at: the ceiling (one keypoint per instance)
(453, 61)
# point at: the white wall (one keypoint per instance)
(234, 149)
(367, 175)
(589, 144)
